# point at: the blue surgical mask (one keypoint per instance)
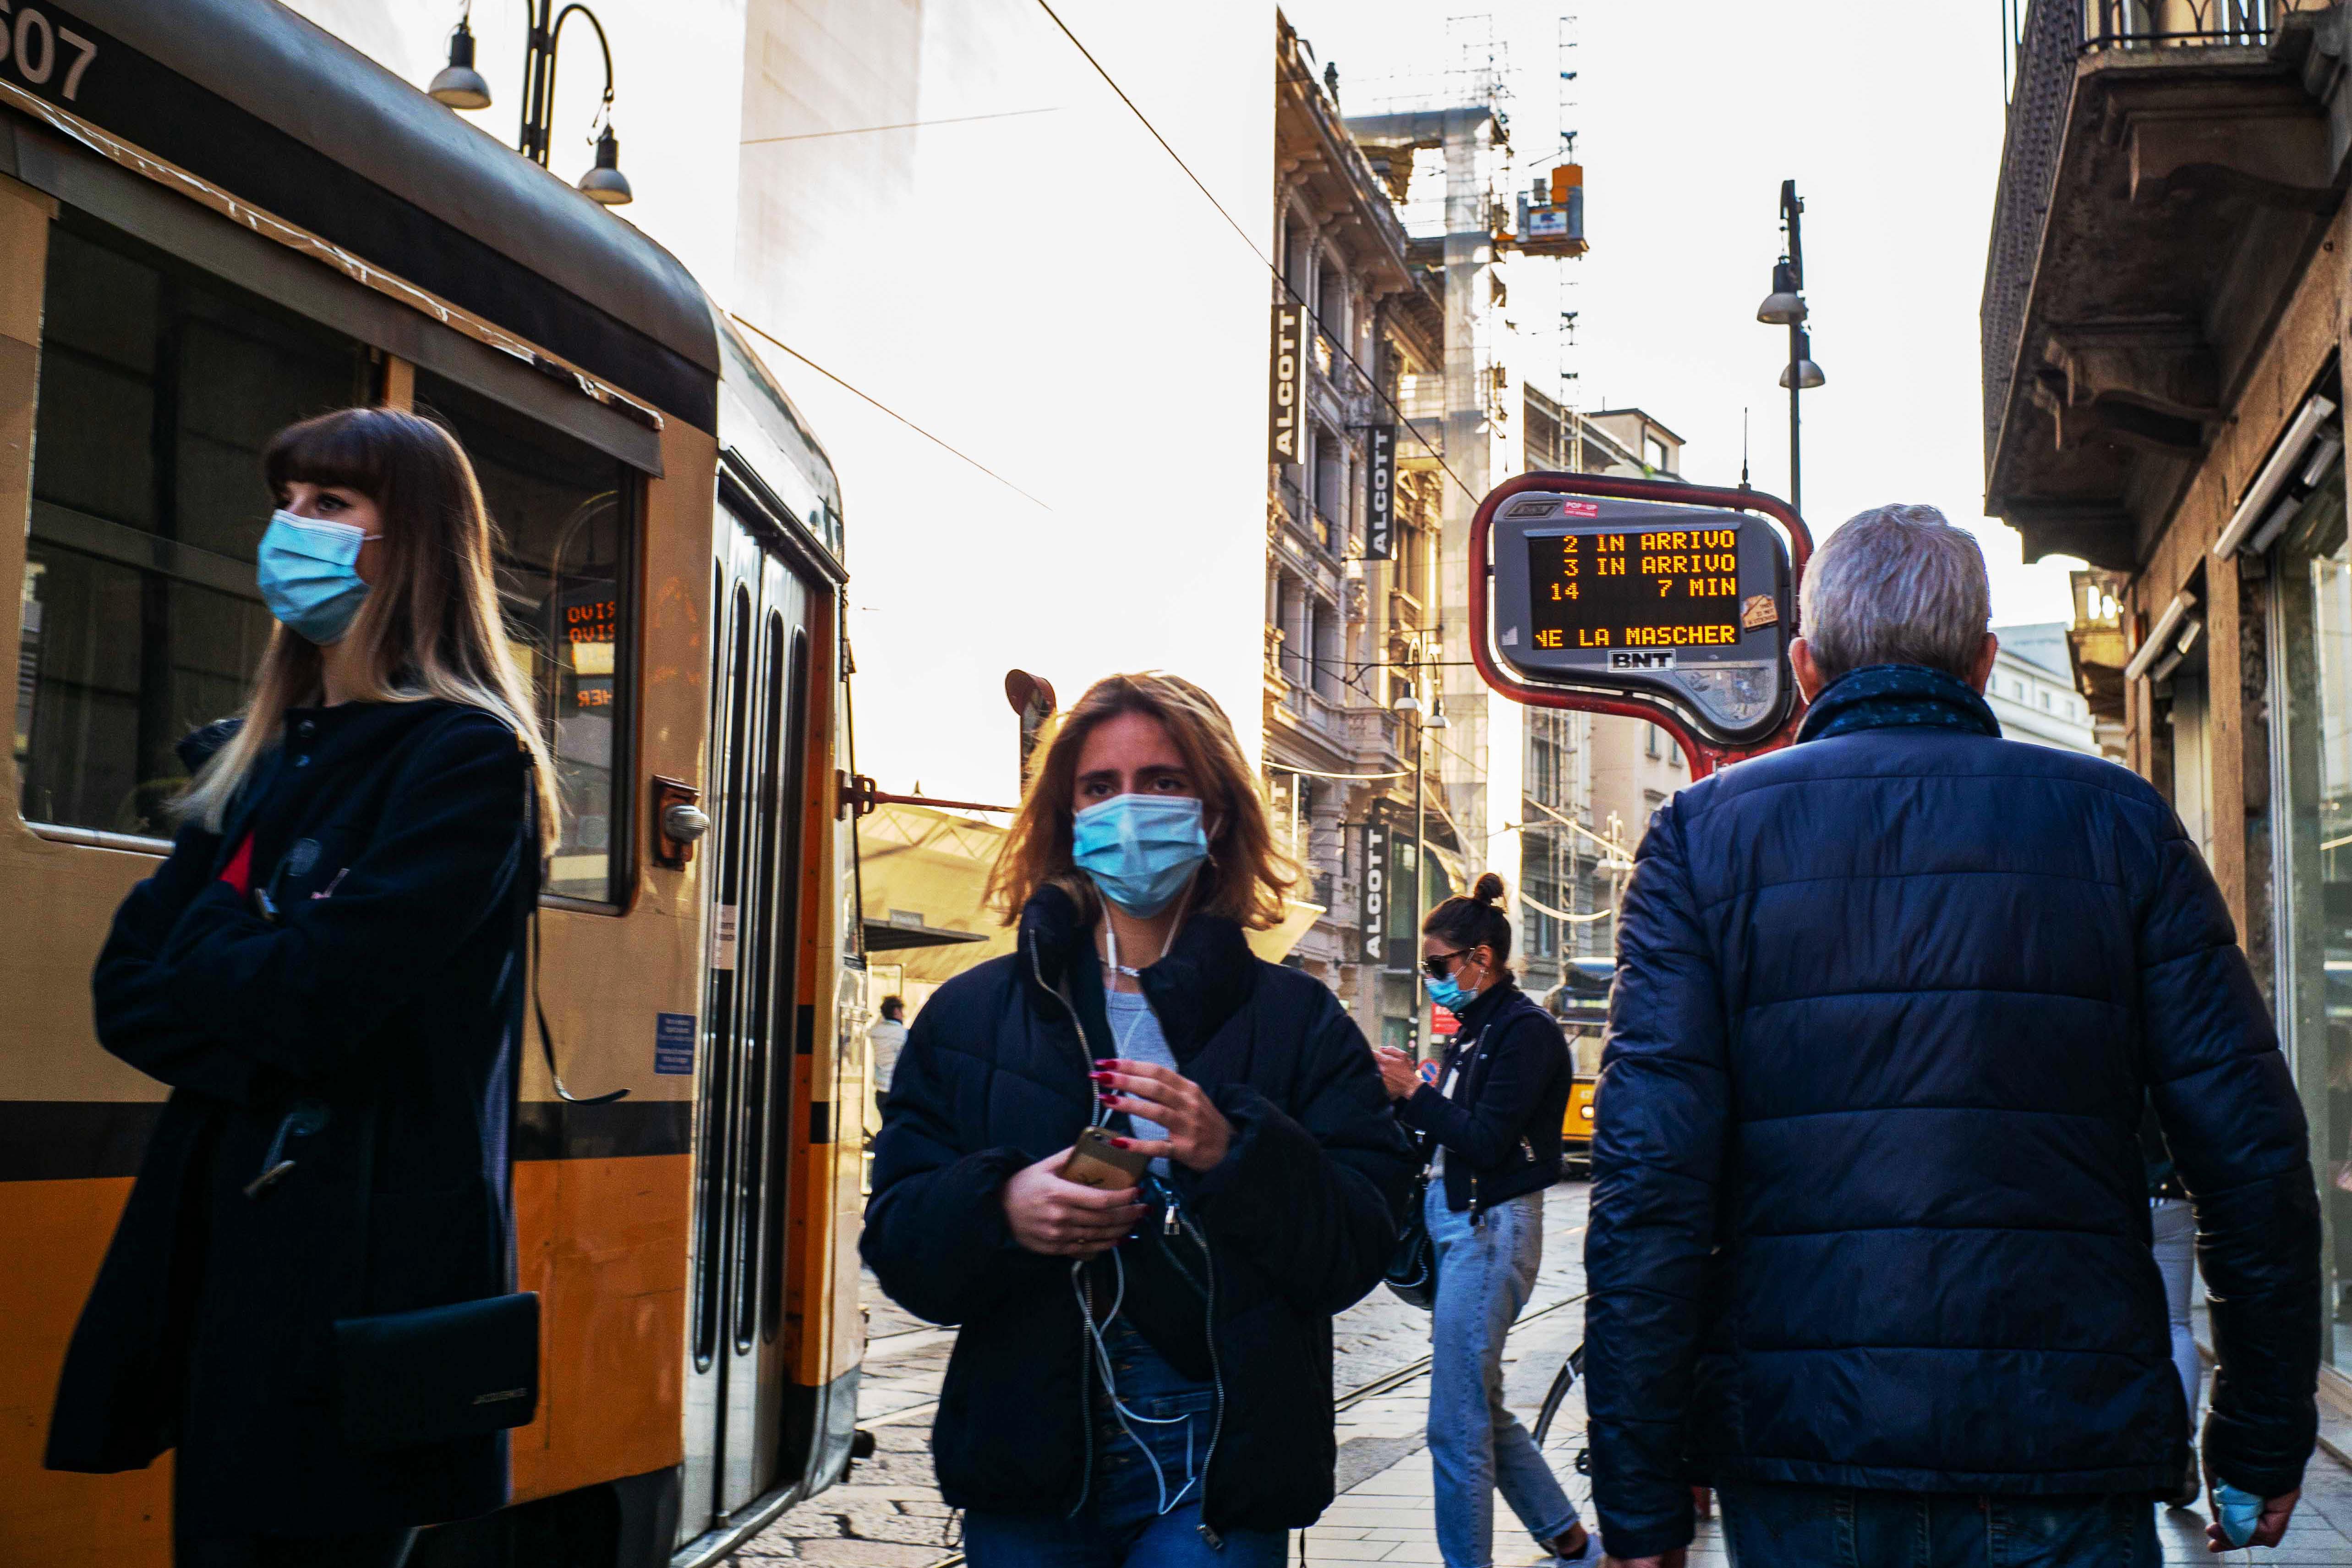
(308, 573)
(1141, 849)
(1446, 993)
(2237, 1512)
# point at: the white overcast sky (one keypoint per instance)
(1889, 118)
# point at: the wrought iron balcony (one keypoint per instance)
(2166, 164)
(2156, 24)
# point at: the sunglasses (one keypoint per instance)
(1437, 966)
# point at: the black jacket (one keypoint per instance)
(1869, 1208)
(393, 843)
(1299, 1216)
(1501, 1126)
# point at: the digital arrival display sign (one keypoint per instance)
(1689, 605)
(1669, 588)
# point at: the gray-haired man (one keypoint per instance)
(1869, 1246)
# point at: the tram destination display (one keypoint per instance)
(1662, 587)
(1686, 606)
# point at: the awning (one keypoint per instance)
(923, 871)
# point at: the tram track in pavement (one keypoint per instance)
(1373, 1388)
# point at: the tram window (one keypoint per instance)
(158, 386)
(564, 512)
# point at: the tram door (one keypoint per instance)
(736, 1373)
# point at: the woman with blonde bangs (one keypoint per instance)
(1141, 1168)
(328, 972)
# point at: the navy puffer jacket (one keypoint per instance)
(1868, 1204)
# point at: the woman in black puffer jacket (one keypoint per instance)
(1491, 1125)
(1144, 1370)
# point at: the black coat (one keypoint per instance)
(396, 839)
(1300, 1215)
(1501, 1125)
(1868, 1207)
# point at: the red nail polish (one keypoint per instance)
(1100, 1077)
(1122, 1143)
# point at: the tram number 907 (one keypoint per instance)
(32, 48)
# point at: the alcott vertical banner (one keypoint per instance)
(1379, 481)
(1283, 397)
(1374, 920)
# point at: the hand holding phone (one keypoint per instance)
(1096, 1161)
(1051, 1215)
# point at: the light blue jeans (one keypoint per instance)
(1485, 1274)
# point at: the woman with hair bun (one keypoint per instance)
(1490, 1127)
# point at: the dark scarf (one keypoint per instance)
(1884, 697)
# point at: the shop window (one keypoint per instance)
(158, 386)
(565, 517)
(1543, 932)
(1327, 650)
(2311, 651)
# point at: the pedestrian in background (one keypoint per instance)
(1143, 1374)
(1490, 1127)
(1870, 1229)
(328, 973)
(888, 1036)
(2172, 1227)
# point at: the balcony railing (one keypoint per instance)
(2151, 24)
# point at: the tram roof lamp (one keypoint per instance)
(1784, 307)
(606, 182)
(459, 84)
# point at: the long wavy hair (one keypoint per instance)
(430, 628)
(1246, 876)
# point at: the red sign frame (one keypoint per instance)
(1704, 758)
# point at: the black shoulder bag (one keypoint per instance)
(1412, 1275)
(439, 1373)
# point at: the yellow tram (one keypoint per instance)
(214, 218)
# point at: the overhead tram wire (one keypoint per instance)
(1264, 260)
(898, 125)
(886, 408)
(1317, 773)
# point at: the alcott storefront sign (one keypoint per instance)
(1380, 493)
(1282, 398)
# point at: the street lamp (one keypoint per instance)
(460, 86)
(1785, 307)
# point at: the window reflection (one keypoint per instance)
(2312, 666)
(158, 387)
(563, 515)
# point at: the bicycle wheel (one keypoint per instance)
(1569, 1371)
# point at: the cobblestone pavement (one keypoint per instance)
(888, 1513)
